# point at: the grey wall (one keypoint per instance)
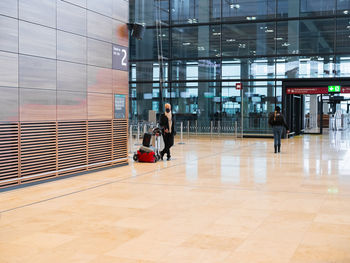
(56, 58)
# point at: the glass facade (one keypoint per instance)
(211, 45)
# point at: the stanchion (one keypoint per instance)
(130, 139)
(196, 127)
(188, 129)
(219, 128)
(181, 133)
(138, 134)
(236, 131)
(144, 128)
(211, 129)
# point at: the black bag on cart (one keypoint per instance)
(147, 137)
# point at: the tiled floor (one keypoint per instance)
(219, 200)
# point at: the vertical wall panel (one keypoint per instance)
(37, 105)
(71, 106)
(8, 105)
(57, 88)
(38, 11)
(8, 34)
(8, 69)
(99, 106)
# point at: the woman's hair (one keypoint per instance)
(277, 110)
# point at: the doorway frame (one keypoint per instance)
(287, 102)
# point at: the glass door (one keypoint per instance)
(312, 114)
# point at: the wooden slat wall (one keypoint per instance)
(9, 152)
(120, 139)
(72, 147)
(39, 151)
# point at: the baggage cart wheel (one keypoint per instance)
(135, 157)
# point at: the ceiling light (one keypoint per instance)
(278, 38)
(217, 34)
(186, 43)
(269, 31)
(230, 40)
(346, 12)
(285, 44)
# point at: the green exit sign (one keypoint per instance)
(334, 88)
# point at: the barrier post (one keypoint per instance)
(138, 134)
(196, 127)
(130, 139)
(211, 129)
(219, 128)
(188, 129)
(236, 127)
(181, 133)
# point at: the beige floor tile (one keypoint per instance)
(219, 200)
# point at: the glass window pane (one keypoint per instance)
(343, 7)
(37, 73)
(71, 47)
(147, 48)
(247, 10)
(317, 8)
(8, 34)
(248, 39)
(198, 41)
(287, 40)
(343, 35)
(317, 36)
(194, 70)
(71, 18)
(38, 11)
(288, 8)
(197, 11)
(37, 40)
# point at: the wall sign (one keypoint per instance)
(120, 58)
(238, 86)
(119, 106)
(334, 89)
(318, 90)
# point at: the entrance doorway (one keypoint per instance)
(312, 105)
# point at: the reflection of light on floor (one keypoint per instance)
(306, 166)
(333, 190)
(191, 166)
(260, 167)
(230, 169)
(329, 165)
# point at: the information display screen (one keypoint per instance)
(119, 106)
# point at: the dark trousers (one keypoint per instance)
(168, 142)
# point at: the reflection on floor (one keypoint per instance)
(218, 200)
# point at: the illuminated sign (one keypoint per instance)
(334, 88)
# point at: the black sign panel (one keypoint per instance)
(119, 106)
(120, 58)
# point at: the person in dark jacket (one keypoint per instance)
(167, 123)
(277, 121)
